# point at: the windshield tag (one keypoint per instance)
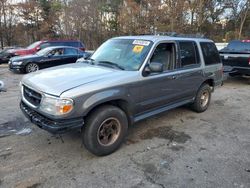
(138, 49)
(141, 42)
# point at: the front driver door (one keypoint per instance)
(158, 90)
(54, 58)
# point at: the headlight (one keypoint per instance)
(56, 106)
(17, 63)
(80, 60)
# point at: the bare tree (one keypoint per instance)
(242, 16)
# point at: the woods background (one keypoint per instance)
(93, 21)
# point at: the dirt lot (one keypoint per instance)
(179, 148)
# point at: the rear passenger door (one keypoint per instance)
(189, 72)
(70, 55)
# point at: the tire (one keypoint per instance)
(31, 67)
(202, 99)
(105, 129)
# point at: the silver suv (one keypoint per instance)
(126, 80)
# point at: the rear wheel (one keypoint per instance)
(105, 130)
(202, 99)
(31, 67)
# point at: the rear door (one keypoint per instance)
(189, 75)
(70, 55)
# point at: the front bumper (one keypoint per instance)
(52, 126)
(16, 68)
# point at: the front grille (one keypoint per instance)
(32, 96)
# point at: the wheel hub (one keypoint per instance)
(204, 98)
(32, 67)
(109, 131)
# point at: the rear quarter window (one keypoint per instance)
(210, 53)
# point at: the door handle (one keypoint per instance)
(172, 77)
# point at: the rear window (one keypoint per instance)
(210, 53)
(243, 45)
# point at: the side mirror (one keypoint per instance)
(155, 67)
(49, 55)
(86, 55)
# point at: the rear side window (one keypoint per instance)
(189, 53)
(210, 53)
(70, 51)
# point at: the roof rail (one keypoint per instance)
(174, 34)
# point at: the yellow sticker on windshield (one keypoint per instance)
(138, 49)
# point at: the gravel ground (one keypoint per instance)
(179, 148)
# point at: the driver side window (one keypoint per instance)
(165, 54)
(56, 52)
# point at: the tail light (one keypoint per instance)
(249, 61)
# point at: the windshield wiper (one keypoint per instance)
(112, 64)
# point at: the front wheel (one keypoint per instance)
(202, 99)
(31, 67)
(105, 130)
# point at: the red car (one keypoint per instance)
(36, 46)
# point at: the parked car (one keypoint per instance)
(126, 80)
(236, 58)
(39, 45)
(48, 57)
(6, 54)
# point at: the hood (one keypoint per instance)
(56, 80)
(24, 58)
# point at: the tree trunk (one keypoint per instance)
(243, 19)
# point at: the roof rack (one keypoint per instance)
(174, 34)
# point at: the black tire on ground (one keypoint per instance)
(202, 99)
(31, 67)
(105, 130)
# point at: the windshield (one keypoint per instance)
(43, 52)
(33, 45)
(126, 53)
